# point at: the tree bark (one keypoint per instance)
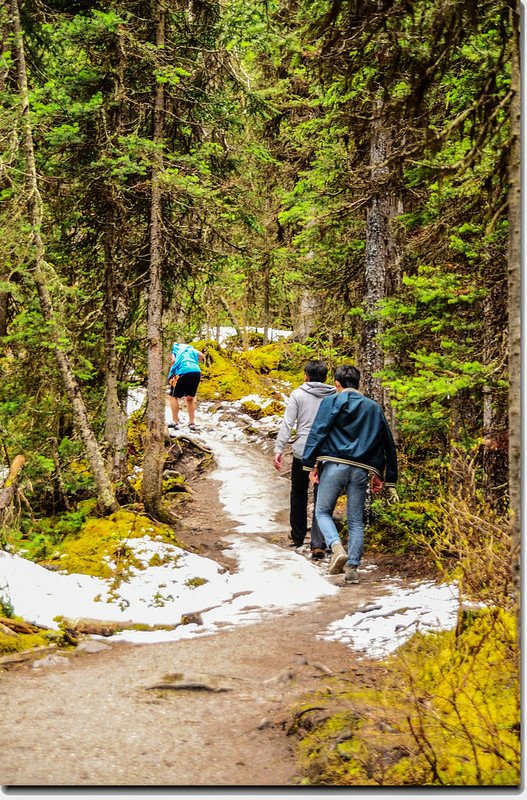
(232, 316)
(154, 444)
(4, 302)
(306, 322)
(106, 501)
(382, 256)
(116, 420)
(115, 423)
(7, 494)
(495, 445)
(514, 293)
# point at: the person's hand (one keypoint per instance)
(376, 484)
(278, 461)
(313, 476)
(391, 495)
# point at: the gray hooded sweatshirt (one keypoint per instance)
(299, 413)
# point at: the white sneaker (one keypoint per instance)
(338, 559)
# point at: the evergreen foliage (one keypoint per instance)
(337, 169)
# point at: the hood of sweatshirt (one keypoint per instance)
(318, 389)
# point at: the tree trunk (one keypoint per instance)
(495, 448)
(238, 327)
(7, 494)
(116, 419)
(4, 301)
(266, 298)
(155, 407)
(514, 292)
(4, 296)
(306, 322)
(115, 423)
(105, 496)
(382, 256)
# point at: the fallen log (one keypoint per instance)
(7, 494)
(98, 627)
(18, 625)
(190, 686)
(26, 655)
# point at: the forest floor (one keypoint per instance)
(94, 720)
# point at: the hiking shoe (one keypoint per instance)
(350, 574)
(338, 559)
(173, 425)
(193, 427)
(317, 554)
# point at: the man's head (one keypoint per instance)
(348, 376)
(316, 371)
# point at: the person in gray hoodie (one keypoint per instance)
(299, 415)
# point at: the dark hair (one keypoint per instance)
(348, 376)
(316, 371)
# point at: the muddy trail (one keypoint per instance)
(209, 711)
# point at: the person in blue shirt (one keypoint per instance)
(349, 443)
(184, 377)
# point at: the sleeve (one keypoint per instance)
(390, 471)
(327, 412)
(288, 423)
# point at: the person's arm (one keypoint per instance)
(324, 419)
(288, 423)
(201, 356)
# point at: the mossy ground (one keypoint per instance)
(444, 712)
(231, 375)
(102, 543)
(28, 641)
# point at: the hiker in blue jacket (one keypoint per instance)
(349, 441)
(184, 378)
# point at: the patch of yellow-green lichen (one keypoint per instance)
(101, 548)
(226, 377)
(26, 641)
(444, 711)
(193, 582)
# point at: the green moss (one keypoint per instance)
(445, 711)
(193, 582)
(100, 548)
(264, 359)
(400, 527)
(226, 376)
(158, 561)
(173, 484)
(25, 641)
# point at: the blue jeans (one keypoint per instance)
(337, 479)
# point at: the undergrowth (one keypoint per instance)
(445, 708)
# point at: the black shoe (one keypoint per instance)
(317, 554)
(193, 427)
(173, 425)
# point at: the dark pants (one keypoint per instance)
(298, 508)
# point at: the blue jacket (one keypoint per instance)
(352, 429)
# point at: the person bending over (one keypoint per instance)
(184, 377)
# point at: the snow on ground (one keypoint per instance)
(160, 595)
(379, 628)
(223, 333)
(269, 580)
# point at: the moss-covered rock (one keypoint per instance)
(102, 543)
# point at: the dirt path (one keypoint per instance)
(93, 720)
